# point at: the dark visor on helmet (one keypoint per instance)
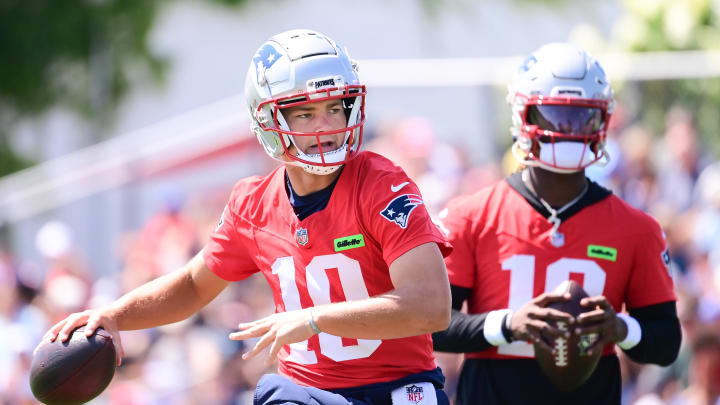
(566, 119)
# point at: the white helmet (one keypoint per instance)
(561, 106)
(300, 67)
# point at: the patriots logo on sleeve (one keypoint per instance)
(222, 219)
(265, 58)
(400, 208)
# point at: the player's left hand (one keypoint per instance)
(276, 330)
(602, 320)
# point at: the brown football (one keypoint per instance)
(568, 366)
(73, 372)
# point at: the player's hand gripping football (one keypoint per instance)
(602, 320)
(533, 320)
(276, 330)
(93, 318)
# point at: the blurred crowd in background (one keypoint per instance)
(669, 175)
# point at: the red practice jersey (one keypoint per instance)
(341, 253)
(503, 252)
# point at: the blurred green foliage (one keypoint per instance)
(85, 55)
(75, 53)
(671, 25)
(80, 54)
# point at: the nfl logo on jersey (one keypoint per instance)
(301, 236)
(414, 393)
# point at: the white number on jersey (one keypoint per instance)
(318, 285)
(522, 279)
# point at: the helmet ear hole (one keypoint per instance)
(348, 103)
(347, 109)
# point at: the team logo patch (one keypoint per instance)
(222, 220)
(586, 341)
(400, 208)
(349, 242)
(665, 256)
(602, 252)
(414, 393)
(301, 235)
(264, 59)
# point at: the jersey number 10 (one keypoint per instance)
(522, 280)
(318, 286)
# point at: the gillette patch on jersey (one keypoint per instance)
(400, 208)
(349, 242)
(415, 394)
(602, 252)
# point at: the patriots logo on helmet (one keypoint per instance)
(400, 208)
(528, 63)
(264, 59)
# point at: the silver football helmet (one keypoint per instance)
(561, 106)
(300, 67)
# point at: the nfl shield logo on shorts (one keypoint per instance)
(301, 236)
(419, 393)
(414, 393)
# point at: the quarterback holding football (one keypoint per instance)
(518, 240)
(342, 236)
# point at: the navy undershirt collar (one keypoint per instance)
(306, 205)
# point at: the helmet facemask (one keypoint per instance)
(562, 134)
(561, 106)
(323, 162)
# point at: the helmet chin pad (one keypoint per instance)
(566, 155)
(560, 156)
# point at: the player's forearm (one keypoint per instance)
(661, 334)
(464, 335)
(410, 311)
(167, 299)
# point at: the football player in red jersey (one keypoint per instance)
(354, 262)
(515, 241)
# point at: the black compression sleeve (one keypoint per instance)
(459, 296)
(661, 336)
(465, 333)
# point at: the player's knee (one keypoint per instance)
(276, 389)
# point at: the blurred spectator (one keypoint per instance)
(637, 183)
(682, 165)
(436, 167)
(704, 372)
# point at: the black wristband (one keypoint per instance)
(507, 333)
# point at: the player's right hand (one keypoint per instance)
(93, 319)
(532, 321)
